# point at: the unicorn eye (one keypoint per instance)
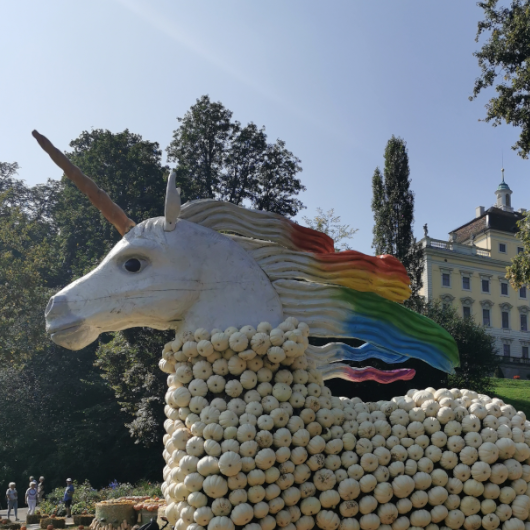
(133, 265)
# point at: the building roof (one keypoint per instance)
(492, 219)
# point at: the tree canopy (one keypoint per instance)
(393, 207)
(218, 158)
(58, 415)
(503, 60)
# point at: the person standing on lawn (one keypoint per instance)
(40, 490)
(31, 497)
(68, 497)
(12, 500)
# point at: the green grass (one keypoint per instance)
(516, 392)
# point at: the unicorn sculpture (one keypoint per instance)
(255, 440)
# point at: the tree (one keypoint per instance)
(58, 415)
(329, 223)
(393, 207)
(219, 158)
(478, 354)
(519, 271)
(503, 59)
(28, 267)
(130, 366)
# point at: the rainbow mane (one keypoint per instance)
(338, 294)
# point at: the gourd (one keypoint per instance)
(215, 486)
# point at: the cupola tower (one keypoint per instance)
(504, 196)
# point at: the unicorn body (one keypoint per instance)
(255, 440)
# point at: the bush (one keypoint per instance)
(478, 357)
(86, 497)
(116, 490)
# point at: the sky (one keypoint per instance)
(334, 80)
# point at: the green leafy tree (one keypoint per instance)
(393, 207)
(519, 271)
(58, 416)
(219, 158)
(478, 354)
(28, 268)
(200, 148)
(27, 257)
(329, 223)
(503, 60)
(130, 366)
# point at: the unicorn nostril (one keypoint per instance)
(57, 305)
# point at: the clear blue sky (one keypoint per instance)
(333, 79)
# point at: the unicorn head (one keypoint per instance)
(179, 272)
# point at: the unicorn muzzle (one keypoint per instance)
(65, 328)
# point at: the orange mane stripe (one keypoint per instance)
(386, 266)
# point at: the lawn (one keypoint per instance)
(514, 392)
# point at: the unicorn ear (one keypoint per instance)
(172, 207)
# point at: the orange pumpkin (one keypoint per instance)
(23, 527)
(50, 526)
(81, 527)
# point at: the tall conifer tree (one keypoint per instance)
(393, 207)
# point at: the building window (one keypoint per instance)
(466, 283)
(508, 201)
(485, 286)
(467, 312)
(446, 279)
(504, 288)
(502, 248)
(486, 317)
(524, 322)
(522, 291)
(505, 320)
(520, 250)
(525, 352)
(506, 350)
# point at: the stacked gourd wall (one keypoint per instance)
(255, 440)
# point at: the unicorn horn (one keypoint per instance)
(112, 212)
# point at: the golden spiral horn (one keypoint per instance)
(98, 197)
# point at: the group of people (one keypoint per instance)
(34, 495)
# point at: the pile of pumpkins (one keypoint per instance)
(255, 440)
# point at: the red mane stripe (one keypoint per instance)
(309, 240)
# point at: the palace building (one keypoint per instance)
(468, 273)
